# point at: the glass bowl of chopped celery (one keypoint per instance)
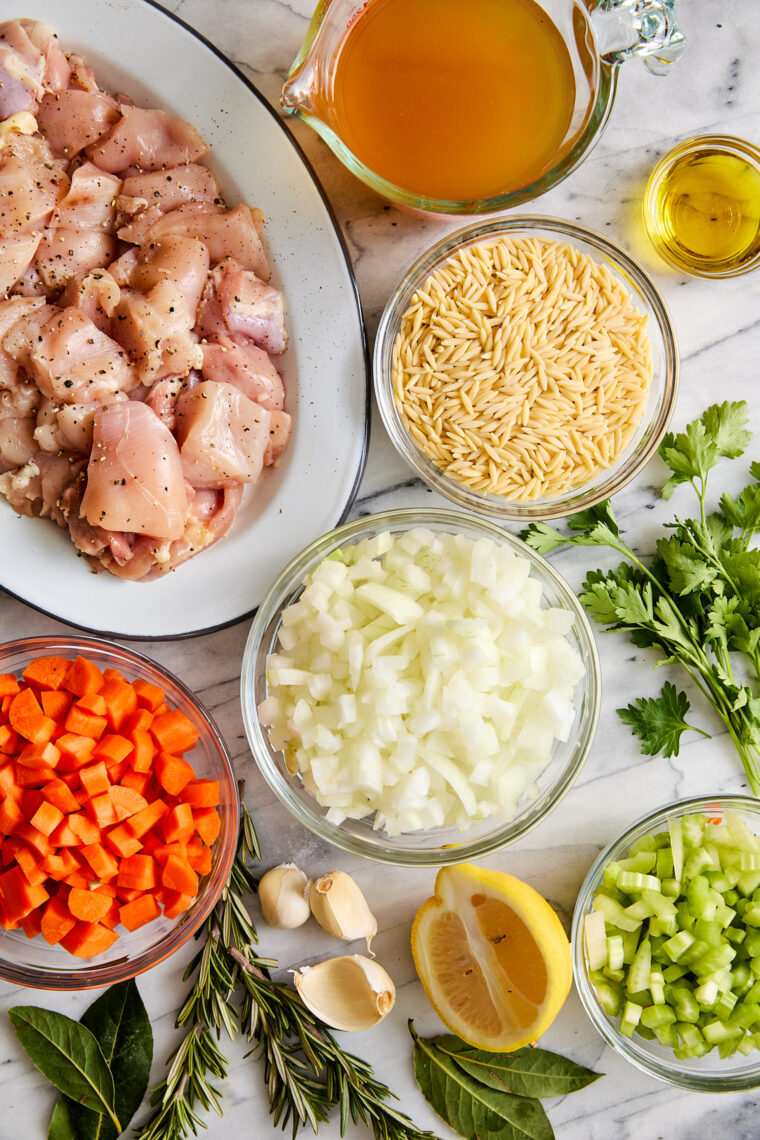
(420, 687)
(666, 944)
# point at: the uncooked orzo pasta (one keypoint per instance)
(521, 368)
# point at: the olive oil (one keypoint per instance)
(702, 207)
(453, 99)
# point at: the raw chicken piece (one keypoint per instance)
(22, 69)
(96, 294)
(90, 202)
(134, 477)
(155, 329)
(64, 254)
(32, 184)
(250, 307)
(17, 443)
(82, 76)
(226, 234)
(247, 367)
(67, 426)
(36, 488)
(68, 356)
(16, 255)
(279, 434)
(180, 260)
(72, 120)
(162, 399)
(222, 435)
(175, 187)
(57, 71)
(150, 140)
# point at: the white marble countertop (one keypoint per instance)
(715, 88)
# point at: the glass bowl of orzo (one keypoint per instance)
(526, 368)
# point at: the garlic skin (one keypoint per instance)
(351, 993)
(284, 897)
(341, 909)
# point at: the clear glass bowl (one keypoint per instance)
(700, 1074)
(434, 847)
(662, 391)
(31, 961)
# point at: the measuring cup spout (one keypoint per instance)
(298, 92)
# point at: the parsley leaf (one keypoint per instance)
(659, 721)
(685, 566)
(543, 538)
(694, 452)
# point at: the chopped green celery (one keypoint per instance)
(663, 926)
(646, 843)
(643, 1031)
(609, 999)
(638, 910)
(752, 916)
(719, 883)
(707, 994)
(630, 944)
(746, 1046)
(674, 972)
(754, 965)
(643, 863)
(666, 1034)
(730, 898)
(724, 1006)
(753, 994)
(747, 860)
(640, 969)
(714, 958)
(698, 898)
(597, 978)
(656, 987)
(742, 906)
(697, 861)
(729, 1048)
(741, 976)
(615, 960)
(733, 874)
(685, 918)
(614, 914)
(745, 1014)
(752, 943)
(630, 1019)
(613, 975)
(610, 876)
(671, 888)
(714, 1032)
(708, 932)
(663, 867)
(676, 946)
(635, 881)
(675, 831)
(693, 827)
(689, 1034)
(742, 836)
(683, 1002)
(656, 1015)
(748, 882)
(658, 904)
(725, 915)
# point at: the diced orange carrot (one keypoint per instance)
(61, 865)
(85, 723)
(95, 779)
(31, 865)
(163, 851)
(103, 863)
(138, 781)
(122, 842)
(18, 895)
(121, 702)
(92, 703)
(112, 917)
(207, 824)
(137, 913)
(174, 732)
(83, 676)
(9, 686)
(63, 836)
(8, 785)
(147, 817)
(200, 793)
(111, 674)
(33, 838)
(55, 704)
(57, 920)
(126, 802)
(11, 816)
(89, 906)
(46, 672)
(173, 772)
(8, 739)
(75, 751)
(27, 718)
(138, 872)
(177, 825)
(83, 827)
(143, 752)
(57, 793)
(179, 876)
(112, 748)
(33, 777)
(149, 696)
(31, 924)
(116, 772)
(46, 818)
(140, 721)
(88, 939)
(175, 903)
(127, 894)
(199, 857)
(39, 755)
(101, 810)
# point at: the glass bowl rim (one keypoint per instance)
(617, 475)
(92, 977)
(658, 1067)
(291, 578)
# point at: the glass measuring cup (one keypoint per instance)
(598, 35)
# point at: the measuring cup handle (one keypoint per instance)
(646, 28)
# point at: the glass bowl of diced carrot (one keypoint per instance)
(118, 813)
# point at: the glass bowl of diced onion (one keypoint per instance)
(340, 818)
(698, 1029)
(31, 961)
(462, 434)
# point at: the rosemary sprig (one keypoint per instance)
(307, 1073)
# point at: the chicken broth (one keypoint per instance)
(453, 100)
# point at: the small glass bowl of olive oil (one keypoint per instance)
(702, 206)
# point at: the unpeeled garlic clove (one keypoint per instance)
(341, 909)
(350, 993)
(284, 896)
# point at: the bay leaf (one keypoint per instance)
(472, 1109)
(61, 1125)
(528, 1072)
(68, 1054)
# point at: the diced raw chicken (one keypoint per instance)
(64, 254)
(250, 308)
(17, 443)
(67, 426)
(36, 488)
(68, 356)
(16, 255)
(226, 234)
(134, 476)
(175, 187)
(57, 71)
(82, 76)
(73, 119)
(32, 184)
(182, 261)
(22, 69)
(279, 434)
(222, 435)
(155, 330)
(96, 294)
(148, 139)
(247, 367)
(90, 202)
(162, 399)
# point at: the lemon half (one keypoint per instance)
(492, 956)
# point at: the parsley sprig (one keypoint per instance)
(697, 601)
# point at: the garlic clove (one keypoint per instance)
(350, 993)
(284, 896)
(341, 909)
